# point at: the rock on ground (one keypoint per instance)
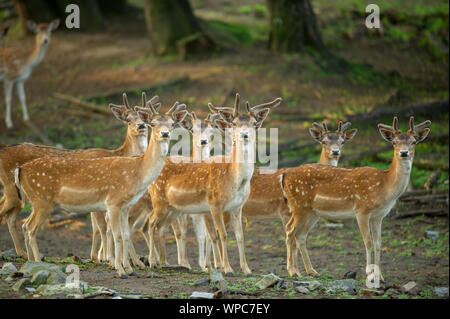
(201, 295)
(22, 284)
(441, 292)
(40, 277)
(268, 281)
(346, 285)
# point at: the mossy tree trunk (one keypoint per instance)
(173, 28)
(293, 27)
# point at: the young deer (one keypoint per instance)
(111, 184)
(213, 186)
(364, 193)
(12, 157)
(266, 198)
(16, 65)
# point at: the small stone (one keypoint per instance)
(410, 288)
(350, 274)
(21, 284)
(432, 235)
(441, 292)
(152, 274)
(36, 296)
(345, 285)
(40, 278)
(10, 253)
(117, 297)
(302, 290)
(371, 292)
(10, 267)
(202, 282)
(300, 283)
(30, 289)
(268, 281)
(201, 295)
(313, 285)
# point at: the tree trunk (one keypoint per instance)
(293, 27)
(173, 28)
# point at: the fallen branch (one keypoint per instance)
(427, 212)
(82, 104)
(94, 294)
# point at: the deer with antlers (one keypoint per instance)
(266, 199)
(12, 157)
(16, 65)
(364, 193)
(216, 185)
(111, 184)
(202, 133)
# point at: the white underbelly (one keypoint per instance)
(85, 208)
(199, 208)
(335, 215)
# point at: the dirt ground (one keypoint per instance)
(101, 65)
(406, 256)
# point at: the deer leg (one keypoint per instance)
(363, 223)
(213, 243)
(11, 209)
(291, 247)
(126, 242)
(109, 242)
(375, 228)
(304, 228)
(114, 223)
(179, 227)
(34, 222)
(200, 232)
(152, 221)
(95, 253)
(21, 93)
(217, 214)
(236, 221)
(8, 86)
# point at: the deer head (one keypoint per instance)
(43, 31)
(404, 143)
(244, 124)
(161, 124)
(332, 142)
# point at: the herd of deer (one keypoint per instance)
(140, 187)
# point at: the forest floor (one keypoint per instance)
(405, 65)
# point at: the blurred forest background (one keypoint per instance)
(317, 55)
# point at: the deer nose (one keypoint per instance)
(203, 142)
(165, 134)
(404, 153)
(335, 152)
(141, 126)
(244, 135)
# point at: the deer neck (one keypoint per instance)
(37, 54)
(243, 164)
(398, 177)
(325, 160)
(134, 145)
(153, 159)
(200, 152)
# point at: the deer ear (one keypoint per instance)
(421, 135)
(348, 135)
(227, 115)
(187, 122)
(179, 116)
(260, 116)
(316, 134)
(54, 25)
(388, 135)
(32, 26)
(221, 124)
(119, 112)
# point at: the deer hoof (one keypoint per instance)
(250, 275)
(229, 274)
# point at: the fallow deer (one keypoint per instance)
(216, 185)
(266, 199)
(365, 193)
(111, 184)
(16, 65)
(14, 156)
